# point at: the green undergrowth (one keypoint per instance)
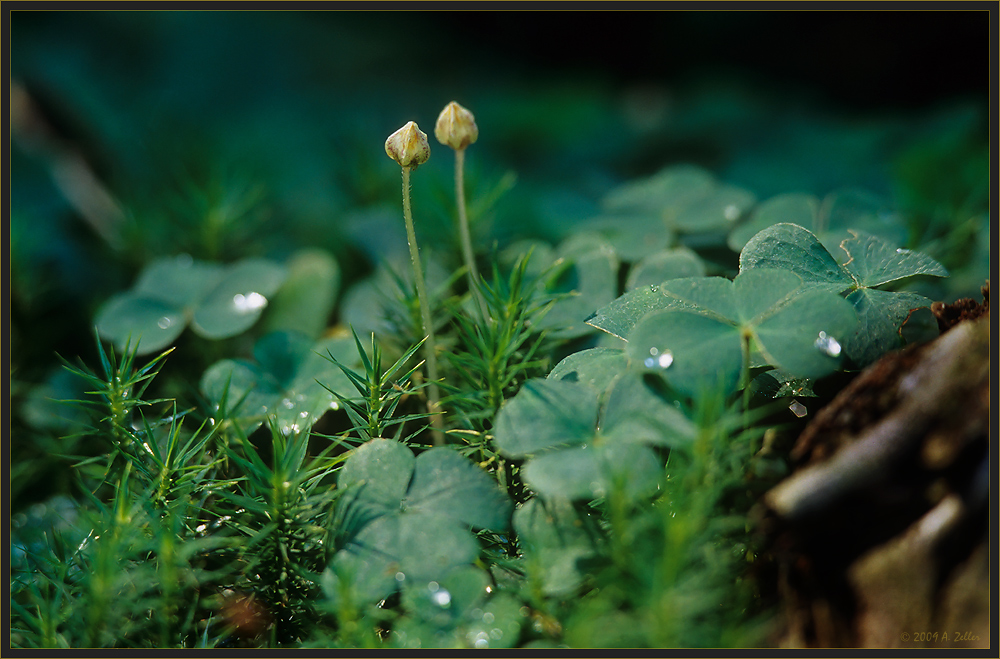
(256, 461)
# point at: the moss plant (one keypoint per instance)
(408, 147)
(456, 127)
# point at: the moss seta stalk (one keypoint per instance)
(430, 356)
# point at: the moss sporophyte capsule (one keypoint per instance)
(456, 127)
(408, 146)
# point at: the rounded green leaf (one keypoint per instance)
(874, 262)
(545, 414)
(805, 337)
(306, 298)
(497, 624)
(691, 350)
(862, 210)
(248, 390)
(760, 292)
(713, 296)
(280, 354)
(720, 208)
(395, 548)
(670, 188)
(880, 315)
(147, 323)
(620, 316)
(663, 265)
(790, 247)
(179, 280)
(590, 282)
(594, 367)
(633, 236)
(238, 300)
(446, 483)
(554, 537)
(423, 547)
(639, 409)
(792, 208)
(357, 578)
(381, 469)
(594, 470)
(443, 604)
(284, 382)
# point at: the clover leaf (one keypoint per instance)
(701, 338)
(643, 216)
(410, 516)
(285, 379)
(555, 537)
(555, 424)
(664, 265)
(589, 281)
(838, 211)
(859, 263)
(458, 612)
(595, 367)
(217, 301)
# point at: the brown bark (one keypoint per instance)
(880, 535)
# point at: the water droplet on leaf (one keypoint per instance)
(164, 323)
(249, 302)
(828, 345)
(659, 359)
(442, 598)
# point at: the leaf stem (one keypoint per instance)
(425, 315)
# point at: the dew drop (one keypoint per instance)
(658, 359)
(653, 288)
(827, 344)
(488, 617)
(442, 598)
(798, 409)
(303, 415)
(164, 322)
(287, 403)
(400, 577)
(731, 212)
(249, 302)
(334, 405)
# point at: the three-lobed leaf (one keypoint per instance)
(416, 512)
(286, 379)
(858, 264)
(218, 301)
(698, 340)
